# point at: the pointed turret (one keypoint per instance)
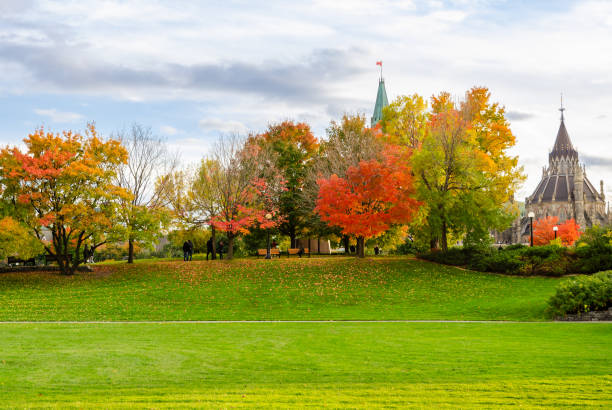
(563, 145)
(381, 102)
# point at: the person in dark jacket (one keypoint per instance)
(186, 251)
(209, 248)
(190, 249)
(220, 249)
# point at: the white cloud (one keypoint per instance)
(256, 62)
(223, 126)
(168, 130)
(58, 116)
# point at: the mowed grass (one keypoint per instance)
(255, 289)
(358, 365)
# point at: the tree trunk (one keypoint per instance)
(292, 236)
(361, 247)
(130, 250)
(230, 246)
(345, 240)
(433, 243)
(444, 240)
(318, 245)
(214, 242)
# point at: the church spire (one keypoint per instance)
(563, 145)
(381, 99)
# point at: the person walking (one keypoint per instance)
(190, 250)
(220, 249)
(186, 251)
(209, 248)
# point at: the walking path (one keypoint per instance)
(138, 322)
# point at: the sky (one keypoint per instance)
(193, 70)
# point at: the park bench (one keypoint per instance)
(273, 252)
(12, 261)
(53, 258)
(296, 251)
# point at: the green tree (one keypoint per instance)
(464, 173)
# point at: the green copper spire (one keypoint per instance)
(381, 102)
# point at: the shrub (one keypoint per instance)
(592, 258)
(456, 256)
(502, 261)
(582, 294)
(514, 247)
(544, 260)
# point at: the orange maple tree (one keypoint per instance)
(372, 197)
(62, 185)
(543, 233)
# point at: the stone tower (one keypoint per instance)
(579, 196)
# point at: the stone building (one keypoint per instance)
(564, 191)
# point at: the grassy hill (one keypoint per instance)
(280, 364)
(309, 289)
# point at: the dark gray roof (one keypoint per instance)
(563, 145)
(560, 188)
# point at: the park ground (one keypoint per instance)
(520, 357)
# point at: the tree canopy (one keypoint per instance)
(63, 184)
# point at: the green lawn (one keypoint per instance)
(316, 288)
(361, 365)
(340, 364)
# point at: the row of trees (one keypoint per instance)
(433, 172)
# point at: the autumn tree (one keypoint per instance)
(145, 175)
(405, 120)
(371, 197)
(348, 143)
(17, 240)
(245, 176)
(294, 146)
(63, 184)
(464, 173)
(196, 197)
(568, 232)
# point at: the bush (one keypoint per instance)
(456, 256)
(501, 261)
(582, 294)
(590, 259)
(546, 260)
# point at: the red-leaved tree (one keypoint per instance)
(247, 186)
(372, 197)
(568, 232)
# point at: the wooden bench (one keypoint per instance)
(12, 260)
(53, 258)
(273, 252)
(296, 251)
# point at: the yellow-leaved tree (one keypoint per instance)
(464, 174)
